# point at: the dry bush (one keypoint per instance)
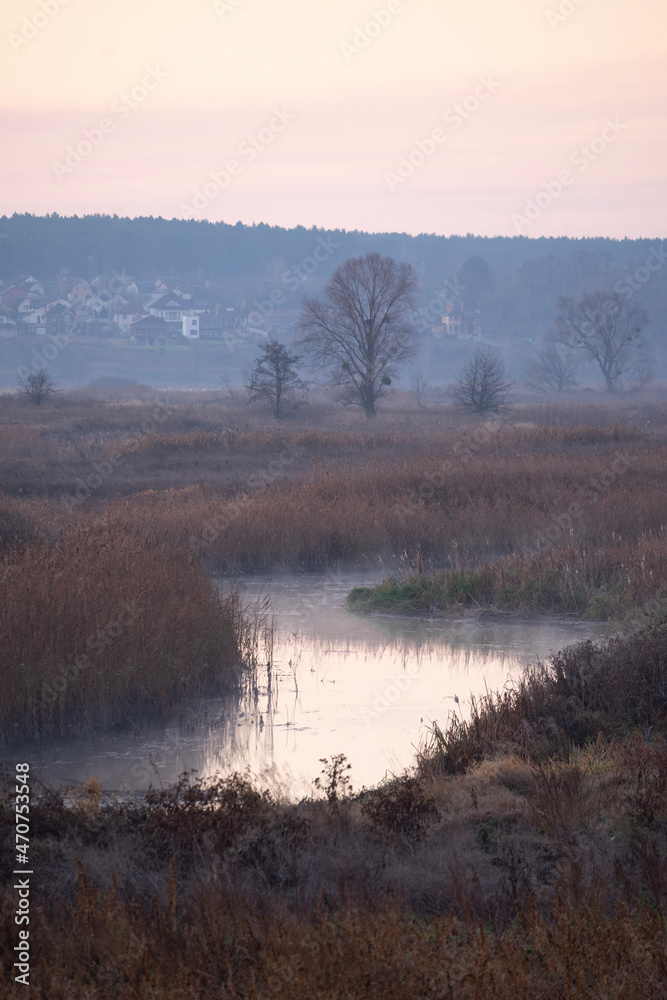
(400, 810)
(563, 798)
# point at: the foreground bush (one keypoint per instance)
(525, 857)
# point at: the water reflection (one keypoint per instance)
(368, 687)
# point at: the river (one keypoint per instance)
(368, 687)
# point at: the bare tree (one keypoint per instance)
(606, 329)
(553, 368)
(274, 379)
(360, 333)
(483, 385)
(37, 384)
(419, 384)
(226, 384)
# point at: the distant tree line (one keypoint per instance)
(146, 246)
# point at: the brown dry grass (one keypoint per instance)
(103, 625)
(537, 870)
(107, 503)
(506, 498)
(215, 947)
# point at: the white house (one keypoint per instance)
(191, 327)
(34, 288)
(37, 317)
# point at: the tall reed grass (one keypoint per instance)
(103, 626)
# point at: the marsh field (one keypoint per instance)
(523, 853)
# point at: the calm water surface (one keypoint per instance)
(369, 687)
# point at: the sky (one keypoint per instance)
(493, 117)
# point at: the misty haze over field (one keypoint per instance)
(333, 480)
(249, 281)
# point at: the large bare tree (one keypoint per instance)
(483, 385)
(359, 333)
(605, 328)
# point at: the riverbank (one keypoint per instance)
(522, 856)
(106, 501)
(595, 582)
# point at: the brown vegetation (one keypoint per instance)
(103, 625)
(121, 504)
(525, 854)
(524, 857)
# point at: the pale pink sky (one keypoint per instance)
(355, 98)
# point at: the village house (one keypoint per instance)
(127, 315)
(191, 327)
(14, 296)
(80, 292)
(34, 288)
(458, 321)
(170, 307)
(8, 327)
(37, 317)
(60, 317)
(105, 304)
(153, 330)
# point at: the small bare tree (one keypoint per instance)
(37, 384)
(419, 384)
(605, 328)
(483, 385)
(553, 368)
(274, 379)
(360, 332)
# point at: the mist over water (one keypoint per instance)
(368, 687)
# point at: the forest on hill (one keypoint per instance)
(515, 282)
